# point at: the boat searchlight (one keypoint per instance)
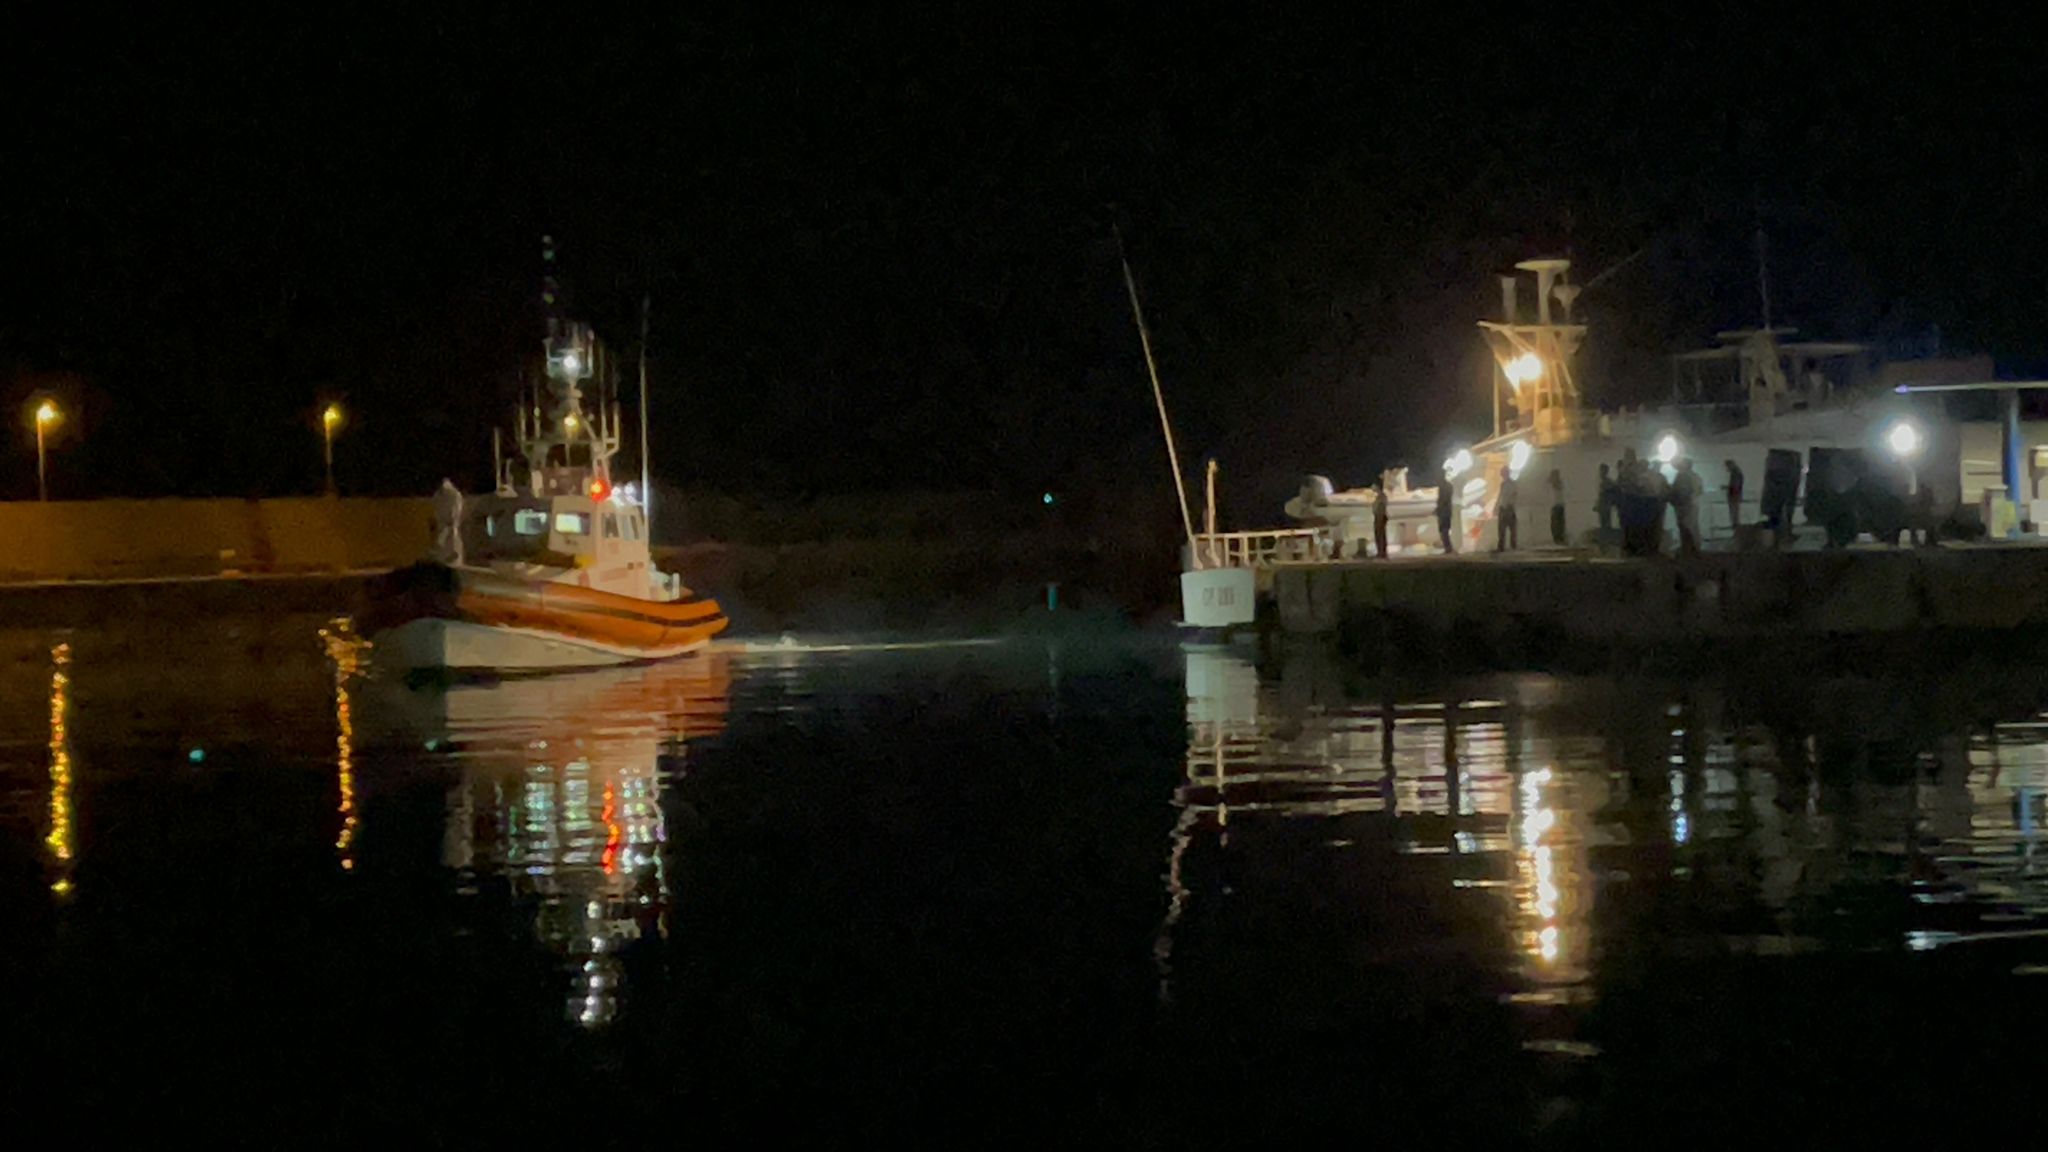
(1458, 463)
(1518, 458)
(1523, 369)
(1667, 449)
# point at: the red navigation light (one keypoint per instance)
(599, 489)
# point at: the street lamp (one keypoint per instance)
(330, 422)
(48, 416)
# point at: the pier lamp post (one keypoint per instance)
(1905, 441)
(330, 423)
(48, 416)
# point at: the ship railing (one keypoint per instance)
(1258, 549)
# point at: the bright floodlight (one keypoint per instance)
(1458, 463)
(1903, 439)
(46, 412)
(1524, 368)
(572, 363)
(1667, 449)
(1518, 457)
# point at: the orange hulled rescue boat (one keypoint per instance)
(556, 575)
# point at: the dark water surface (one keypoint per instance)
(1098, 893)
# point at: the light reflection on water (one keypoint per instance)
(58, 839)
(1528, 802)
(557, 797)
(1266, 843)
(345, 650)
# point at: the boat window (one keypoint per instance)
(632, 526)
(572, 523)
(530, 521)
(490, 525)
(611, 527)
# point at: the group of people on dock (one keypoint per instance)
(1633, 496)
(1637, 493)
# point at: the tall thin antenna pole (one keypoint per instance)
(1180, 486)
(646, 486)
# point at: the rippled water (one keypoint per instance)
(1108, 892)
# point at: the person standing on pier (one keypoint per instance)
(1446, 512)
(1640, 499)
(1557, 533)
(1734, 495)
(1685, 501)
(1379, 518)
(1505, 534)
(1923, 516)
(447, 505)
(1603, 505)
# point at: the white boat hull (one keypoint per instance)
(462, 646)
(1218, 597)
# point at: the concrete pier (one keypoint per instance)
(152, 539)
(1609, 602)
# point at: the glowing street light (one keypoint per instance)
(1903, 439)
(1523, 369)
(48, 416)
(570, 423)
(330, 423)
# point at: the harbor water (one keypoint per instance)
(1100, 890)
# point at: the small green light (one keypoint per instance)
(196, 756)
(1048, 499)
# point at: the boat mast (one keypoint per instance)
(564, 429)
(646, 486)
(1180, 486)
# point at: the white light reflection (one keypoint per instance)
(1542, 899)
(560, 792)
(1681, 825)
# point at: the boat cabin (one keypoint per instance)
(573, 539)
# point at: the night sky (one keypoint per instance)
(878, 245)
